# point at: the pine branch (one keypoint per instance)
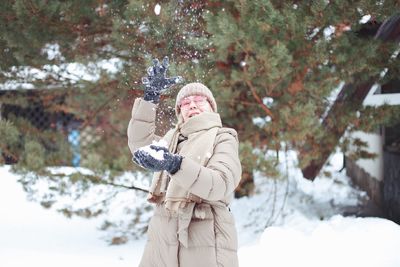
(127, 187)
(97, 179)
(94, 114)
(272, 87)
(297, 85)
(258, 99)
(254, 92)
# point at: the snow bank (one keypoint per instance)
(367, 242)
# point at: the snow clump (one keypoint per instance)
(154, 153)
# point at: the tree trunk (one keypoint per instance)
(349, 99)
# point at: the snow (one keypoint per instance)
(337, 242)
(365, 19)
(157, 154)
(328, 31)
(72, 72)
(33, 236)
(308, 231)
(53, 52)
(157, 9)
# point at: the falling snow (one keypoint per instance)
(157, 9)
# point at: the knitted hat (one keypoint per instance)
(195, 89)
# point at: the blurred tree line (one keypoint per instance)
(275, 67)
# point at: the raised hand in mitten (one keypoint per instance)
(156, 80)
(151, 161)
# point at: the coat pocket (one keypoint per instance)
(225, 230)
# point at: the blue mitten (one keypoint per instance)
(156, 81)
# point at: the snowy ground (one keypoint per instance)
(307, 232)
(33, 236)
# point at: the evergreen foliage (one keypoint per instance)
(282, 62)
(273, 66)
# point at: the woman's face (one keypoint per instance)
(194, 105)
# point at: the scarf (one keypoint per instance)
(200, 132)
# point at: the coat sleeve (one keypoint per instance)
(219, 178)
(141, 128)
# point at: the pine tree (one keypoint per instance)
(273, 67)
(280, 62)
(50, 36)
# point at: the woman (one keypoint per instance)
(194, 179)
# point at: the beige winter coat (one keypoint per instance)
(211, 234)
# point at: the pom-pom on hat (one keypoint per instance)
(194, 89)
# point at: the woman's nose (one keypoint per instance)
(192, 104)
